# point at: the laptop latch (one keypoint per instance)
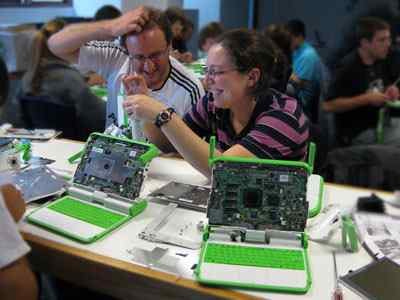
(99, 198)
(257, 236)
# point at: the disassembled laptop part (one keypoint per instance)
(258, 196)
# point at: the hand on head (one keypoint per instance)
(131, 21)
(135, 84)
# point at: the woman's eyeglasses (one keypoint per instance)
(212, 72)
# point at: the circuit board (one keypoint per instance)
(258, 196)
(185, 195)
(112, 166)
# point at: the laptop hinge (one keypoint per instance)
(98, 197)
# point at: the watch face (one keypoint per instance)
(164, 116)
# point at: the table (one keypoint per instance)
(106, 266)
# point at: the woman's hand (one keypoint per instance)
(142, 107)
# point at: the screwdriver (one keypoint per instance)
(337, 292)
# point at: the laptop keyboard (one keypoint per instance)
(88, 213)
(254, 256)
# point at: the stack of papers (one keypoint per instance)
(380, 234)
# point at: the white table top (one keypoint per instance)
(162, 170)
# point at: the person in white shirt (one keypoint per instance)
(17, 280)
(143, 50)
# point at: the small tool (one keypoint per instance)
(337, 292)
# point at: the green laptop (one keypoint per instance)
(257, 214)
(104, 191)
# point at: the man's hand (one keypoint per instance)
(131, 21)
(185, 57)
(392, 92)
(376, 98)
(135, 84)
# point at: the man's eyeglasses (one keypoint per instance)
(211, 72)
(154, 57)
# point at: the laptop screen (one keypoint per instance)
(112, 165)
(258, 196)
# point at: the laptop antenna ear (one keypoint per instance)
(311, 156)
(212, 150)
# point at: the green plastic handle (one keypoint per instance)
(349, 235)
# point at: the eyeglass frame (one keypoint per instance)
(211, 72)
(154, 57)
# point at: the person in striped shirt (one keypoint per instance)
(143, 51)
(248, 118)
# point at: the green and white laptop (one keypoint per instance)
(104, 190)
(257, 214)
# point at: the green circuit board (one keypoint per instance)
(112, 165)
(258, 196)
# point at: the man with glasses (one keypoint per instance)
(143, 53)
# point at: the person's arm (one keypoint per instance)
(156, 137)
(343, 104)
(192, 148)
(14, 201)
(66, 43)
(17, 280)
(299, 83)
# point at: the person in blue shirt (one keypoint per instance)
(307, 69)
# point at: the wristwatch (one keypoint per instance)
(164, 117)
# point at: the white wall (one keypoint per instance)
(81, 8)
(161, 4)
(209, 10)
(87, 8)
(32, 15)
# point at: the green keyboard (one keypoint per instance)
(254, 256)
(88, 213)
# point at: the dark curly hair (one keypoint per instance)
(157, 18)
(249, 49)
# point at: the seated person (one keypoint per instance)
(4, 82)
(49, 76)
(17, 280)
(247, 117)
(307, 69)
(147, 38)
(362, 84)
(182, 29)
(208, 35)
(281, 37)
(107, 12)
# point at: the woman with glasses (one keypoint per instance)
(247, 117)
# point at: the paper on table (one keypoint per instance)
(380, 234)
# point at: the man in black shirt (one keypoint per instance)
(362, 83)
